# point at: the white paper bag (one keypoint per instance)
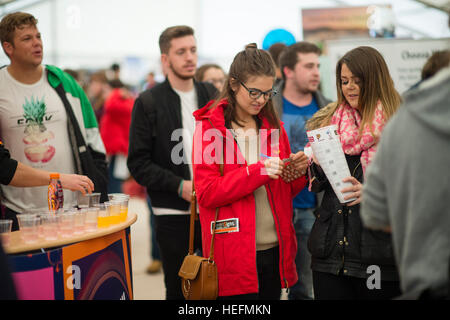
(328, 151)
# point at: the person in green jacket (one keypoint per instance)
(34, 123)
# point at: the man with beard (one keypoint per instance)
(159, 156)
(298, 100)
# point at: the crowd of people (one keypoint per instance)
(238, 138)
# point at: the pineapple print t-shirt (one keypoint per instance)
(33, 126)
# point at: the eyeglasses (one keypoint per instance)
(256, 93)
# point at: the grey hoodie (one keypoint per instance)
(407, 186)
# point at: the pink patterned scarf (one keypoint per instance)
(348, 120)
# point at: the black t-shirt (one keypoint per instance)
(8, 166)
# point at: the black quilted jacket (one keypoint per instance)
(338, 242)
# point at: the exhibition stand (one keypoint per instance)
(90, 266)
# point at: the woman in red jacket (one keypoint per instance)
(255, 242)
(114, 130)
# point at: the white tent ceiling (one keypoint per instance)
(95, 33)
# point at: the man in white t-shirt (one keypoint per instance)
(157, 159)
(33, 118)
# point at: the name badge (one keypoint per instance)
(226, 226)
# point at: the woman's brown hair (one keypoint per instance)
(251, 62)
(200, 73)
(375, 85)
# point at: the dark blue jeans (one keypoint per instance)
(303, 222)
(154, 248)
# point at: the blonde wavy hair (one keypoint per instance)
(322, 117)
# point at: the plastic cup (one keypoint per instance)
(123, 208)
(114, 211)
(123, 198)
(79, 221)
(21, 216)
(67, 223)
(112, 196)
(25, 215)
(91, 220)
(50, 226)
(94, 199)
(5, 231)
(37, 213)
(29, 227)
(103, 215)
(40, 214)
(83, 200)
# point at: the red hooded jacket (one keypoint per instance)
(235, 252)
(115, 123)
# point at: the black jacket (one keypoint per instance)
(338, 242)
(156, 114)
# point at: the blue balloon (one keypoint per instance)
(278, 35)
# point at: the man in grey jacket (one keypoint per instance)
(297, 101)
(407, 188)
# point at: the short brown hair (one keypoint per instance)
(289, 56)
(275, 51)
(437, 61)
(11, 22)
(99, 76)
(173, 33)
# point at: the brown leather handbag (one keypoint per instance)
(199, 274)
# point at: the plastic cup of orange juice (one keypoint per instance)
(114, 211)
(103, 220)
(123, 199)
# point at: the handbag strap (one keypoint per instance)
(211, 248)
(193, 218)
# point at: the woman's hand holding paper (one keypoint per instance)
(354, 191)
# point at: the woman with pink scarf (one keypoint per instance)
(348, 260)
